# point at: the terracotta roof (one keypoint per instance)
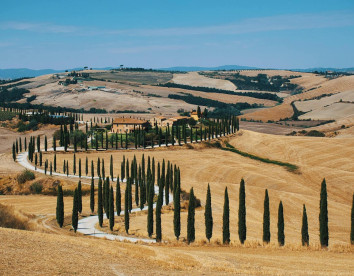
(128, 121)
(194, 113)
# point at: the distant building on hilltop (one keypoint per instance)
(122, 125)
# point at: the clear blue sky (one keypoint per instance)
(271, 34)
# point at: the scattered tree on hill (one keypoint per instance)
(242, 229)
(60, 207)
(100, 203)
(305, 239)
(323, 217)
(281, 235)
(111, 209)
(75, 213)
(208, 216)
(191, 218)
(266, 219)
(226, 220)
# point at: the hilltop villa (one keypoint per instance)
(122, 125)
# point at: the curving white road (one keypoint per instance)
(87, 226)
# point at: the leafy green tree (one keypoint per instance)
(266, 219)
(92, 195)
(323, 217)
(111, 209)
(100, 203)
(305, 239)
(208, 214)
(60, 207)
(191, 218)
(281, 235)
(226, 220)
(75, 213)
(242, 229)
(118, 198)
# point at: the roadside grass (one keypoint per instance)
(290, 167)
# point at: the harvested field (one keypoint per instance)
(331, 112)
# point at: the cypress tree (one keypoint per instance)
(13, 152)
(226, 220)
(75, 215)
(111, 209)
(323, 217)
(100, 203)
(158, 217)
(106, 197)
(126, 209)
(111, 167)
(51, 168)
(352, 223)
(177, 213)
(55, 162)
(103, 170)
(60, 207)
(92, 195)
(20, 144)
(79, 197)
(118, 198)
(92, 169)
(208, 215)
(136, 191)
(16, 146)
(40, 159)
(79, 167)
(191, 218)
(67, 168)
(305, 239)
(38, 143)
(281, 235)
(150, 217)
(242, 229)
(266, 219)
(74, 165)
(45, 143)
(86, 166)
(98, 167)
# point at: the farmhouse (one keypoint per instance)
(158, 120)
(194, 115)
(122, 125)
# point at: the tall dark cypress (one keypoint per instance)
(191, 218)
(75, 213)
(111, 167)
(55, 162)
(266, 219)
(158, 217)
(60, 207)
(111, 209)
(208, 215)
(177, 213)
(118, 197)
(106, 197)
(352, 223)
(100, 203)
(86, 166)
(305, 239)
(226, 220)
(150, 217)
(92, 195)
(13, 152)
(242, 229)
(126, 210)
(79, 197)
(323, 217)
(281, 235)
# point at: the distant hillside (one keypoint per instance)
(323, 69)
(195, 68)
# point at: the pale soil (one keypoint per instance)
(331, 112)
(285, 110)
(195, 79)
(29, 253)
(335, 164)
(306, 106)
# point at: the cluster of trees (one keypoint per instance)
(257, 95)
(196, 100)
(106, 205)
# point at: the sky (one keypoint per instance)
(42, 34)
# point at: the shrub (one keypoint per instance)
(25, 176)
(36, 188)
(315, 133)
